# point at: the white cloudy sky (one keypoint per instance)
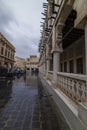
(20, 24)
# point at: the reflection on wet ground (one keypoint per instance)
(5, 91)
(23, 106)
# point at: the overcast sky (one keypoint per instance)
(20, 24)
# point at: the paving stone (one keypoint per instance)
(10, 123)
(26, 124)
(17, 128)
(7, 128)
(35, 129)
(18, 124)
(27, 109)
(25, 128)
(1, 125)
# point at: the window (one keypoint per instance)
(8, 54)
(51, 63)
(79, 64)
(71, 66)
(65, 66)
(5, 52)
(2, 50)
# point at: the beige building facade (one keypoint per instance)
(20, 63)
(7, 52)
(63, 57)
(32, 63)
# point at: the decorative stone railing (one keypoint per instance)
(42, 72)
(50, 75)
(73, 85)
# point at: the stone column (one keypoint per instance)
(75, 70)
(56, 65)
(4, 49)
(86, 47)
(30, 69)
(48, 64)
(57, 49)
(68, 71)
(86, 56)
(53, 39)
(47, 59)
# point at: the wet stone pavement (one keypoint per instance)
(24, 106)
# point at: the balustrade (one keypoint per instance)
(50, 75)
(73, 85)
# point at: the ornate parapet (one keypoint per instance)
(50, 75)
(49, 56)
(73, 85)
(57, 46)
(59, 28)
